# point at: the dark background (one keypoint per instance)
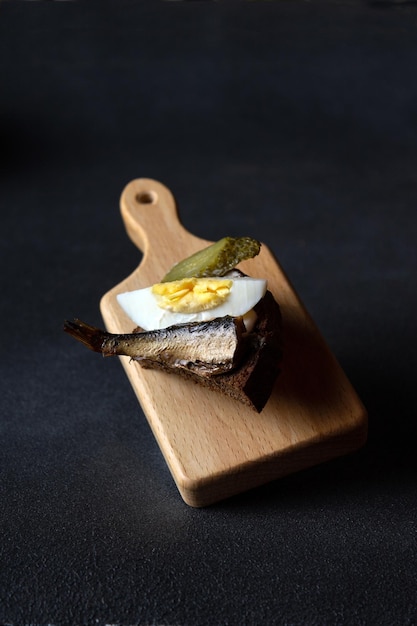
(293, 122)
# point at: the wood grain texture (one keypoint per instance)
(216, 447)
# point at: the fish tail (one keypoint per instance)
(92, 337)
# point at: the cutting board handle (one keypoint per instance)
(149, 213)
(151, 219)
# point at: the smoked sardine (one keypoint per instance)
(207, 348)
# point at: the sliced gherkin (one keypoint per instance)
(215, 260)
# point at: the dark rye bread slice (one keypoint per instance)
(251, 382)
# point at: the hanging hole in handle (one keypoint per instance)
(146, 197)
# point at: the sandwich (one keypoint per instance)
(205, 321)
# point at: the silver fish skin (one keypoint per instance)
(208, 348)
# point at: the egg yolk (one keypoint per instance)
(192, 295)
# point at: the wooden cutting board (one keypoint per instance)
(216, 447)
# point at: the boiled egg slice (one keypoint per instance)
(192, 300)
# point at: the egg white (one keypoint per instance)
(142, 308)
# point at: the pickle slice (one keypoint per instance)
(215, 260)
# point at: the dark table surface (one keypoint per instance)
(294, 122)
